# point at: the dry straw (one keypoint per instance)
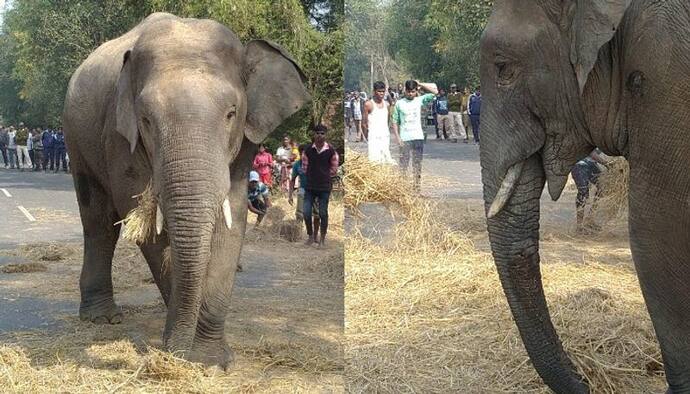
(140, 222)
(433, 317)
(613, 203)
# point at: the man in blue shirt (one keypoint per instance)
(474, 107)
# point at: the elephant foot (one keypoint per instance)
(216, 356)
(101, 314)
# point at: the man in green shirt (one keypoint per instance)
(407, 126)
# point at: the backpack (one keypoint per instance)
(442, 106)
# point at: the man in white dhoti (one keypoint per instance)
(375, 123)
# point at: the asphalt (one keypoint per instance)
(44, 195)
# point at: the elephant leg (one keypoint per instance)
(100, 236)
(155, 257)
(661, 250)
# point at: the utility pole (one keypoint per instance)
(371, 73)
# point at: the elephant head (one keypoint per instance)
(536, 58)
(191, 95)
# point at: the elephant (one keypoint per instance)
(179, 104)
(561, 77)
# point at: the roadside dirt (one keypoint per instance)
(285, 322)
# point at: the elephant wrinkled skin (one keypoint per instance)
(178, 103)
(560, 77)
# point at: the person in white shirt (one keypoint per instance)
(12, 148)
(283, 160)
(375, 124)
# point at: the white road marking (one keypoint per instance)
(26, 213)
(6, 192)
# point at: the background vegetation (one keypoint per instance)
(394, 40)
(42, 42)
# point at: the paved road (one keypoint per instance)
(48, 198)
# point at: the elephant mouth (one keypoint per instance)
(555, 183)
(226, 212)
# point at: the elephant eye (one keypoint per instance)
(506, 73)
(231, 114)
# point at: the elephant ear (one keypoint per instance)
(275, 88)
(593, 24)
(125, 116)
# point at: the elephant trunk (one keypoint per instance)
(190, 199)
(514, 236)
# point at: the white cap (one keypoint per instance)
(254, 176)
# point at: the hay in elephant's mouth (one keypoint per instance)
(140, 222)
(614, 184)
(426, 312)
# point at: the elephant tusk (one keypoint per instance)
(506, 189)
(159, 220)
(227, 213)
(556, 185)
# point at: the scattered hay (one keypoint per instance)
(428, 314)
(24, 268)
(140, 222)
(44, 215)
(49, 251)
(371, 182)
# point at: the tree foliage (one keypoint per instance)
(435, 40)
(42, 42)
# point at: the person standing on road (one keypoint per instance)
(263, 165)
(455, 111)
(375, 123)
(4, 141)
(298, 173)
(23, 159)
(12, 148)
(356, 106)
(320, 164)
(48, 153)
(38, 149)
(59, 147)
(473, 110)
(407, 127)
(30, 147)
(282, 157)
(444, 117)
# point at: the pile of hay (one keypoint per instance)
(433, 318)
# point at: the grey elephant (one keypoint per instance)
(180, 104)
(560, 77)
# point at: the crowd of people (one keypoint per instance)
(400, 113)
(306, 169)
(35, 149)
